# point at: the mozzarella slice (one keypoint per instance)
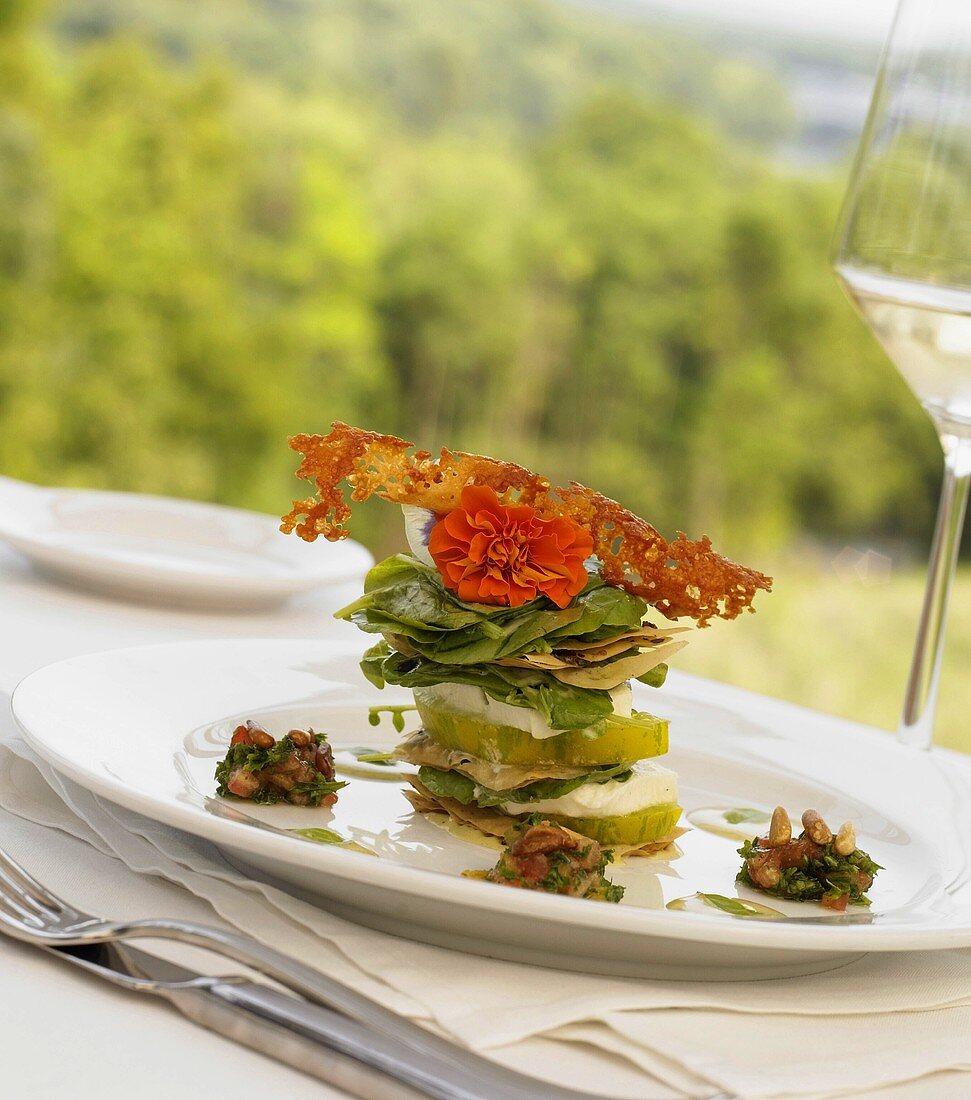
(650, 785)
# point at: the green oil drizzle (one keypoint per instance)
(461, 831)
(397, 715)
(320, 836)
(733, 817)
(732, 822)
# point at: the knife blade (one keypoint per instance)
(310, 1037)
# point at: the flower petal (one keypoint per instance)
(489, 552)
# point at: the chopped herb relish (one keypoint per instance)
(299, 768)
(804, 870)
(541, 855)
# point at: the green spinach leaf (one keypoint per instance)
(654, 677)
(563, 706)
(406, 598)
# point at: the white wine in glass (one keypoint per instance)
(926, 331)
(903, 253)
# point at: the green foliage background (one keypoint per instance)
(511, 227)
(470, 222)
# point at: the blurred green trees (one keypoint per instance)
(205, 248)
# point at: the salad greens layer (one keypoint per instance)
(406, 598)
(562, 706)
(453, 784)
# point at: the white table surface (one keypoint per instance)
(63, 1034)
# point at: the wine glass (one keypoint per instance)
(903, 253)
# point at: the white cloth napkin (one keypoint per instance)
(886, 1022)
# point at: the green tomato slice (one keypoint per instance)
(612, 740)
(641, 827)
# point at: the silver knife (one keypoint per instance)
(312, 1038)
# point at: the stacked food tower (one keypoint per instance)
(519, 620)
(525, 709)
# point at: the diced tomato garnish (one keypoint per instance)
(839, 904)
(240, 736)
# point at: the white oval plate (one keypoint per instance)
(163, 549)
(144, 727)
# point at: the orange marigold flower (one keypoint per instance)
(489, 552)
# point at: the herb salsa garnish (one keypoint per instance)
(815, 866)
(299, 768)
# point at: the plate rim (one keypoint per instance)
(453, 890)
(44, 549)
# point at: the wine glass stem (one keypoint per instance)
(917, 721)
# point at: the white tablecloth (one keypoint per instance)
(65, 1035)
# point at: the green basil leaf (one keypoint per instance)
(654, 677)
(607, 610)
(736, 906)
(372, 663)
(447, 784)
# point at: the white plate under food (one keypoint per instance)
(160, 548)
(144, 728)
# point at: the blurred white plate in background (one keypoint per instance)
(163, 549)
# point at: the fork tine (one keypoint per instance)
(17, 912)
(28, 890)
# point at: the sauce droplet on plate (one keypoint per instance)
(465, 832)
(731, 822)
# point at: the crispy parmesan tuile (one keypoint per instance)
(683, 578)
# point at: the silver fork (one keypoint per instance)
(31, 912)
(368, 1038)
